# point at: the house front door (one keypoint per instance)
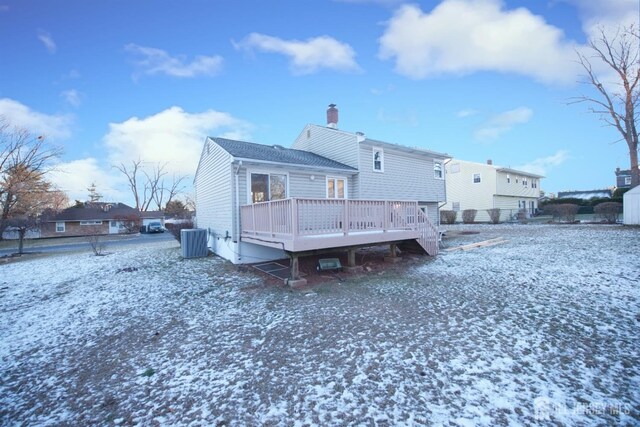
(114, 227)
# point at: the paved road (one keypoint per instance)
(47, 247)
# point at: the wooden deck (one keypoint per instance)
(300, 225)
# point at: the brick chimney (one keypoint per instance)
(489, 162)
(332, 116)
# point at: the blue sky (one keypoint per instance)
(115, 81)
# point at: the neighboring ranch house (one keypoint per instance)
(96, 218)
(333, 189)
(483, 186)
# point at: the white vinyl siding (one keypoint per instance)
(333, 144)
(405, 177)
(214, 191)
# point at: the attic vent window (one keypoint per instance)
(308, 133)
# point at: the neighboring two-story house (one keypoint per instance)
(483, 186)
(332, 189)
(623, 178)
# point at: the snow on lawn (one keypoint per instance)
(543, 329)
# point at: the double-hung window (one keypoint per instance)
(378, 160)
(437, 170)
(476, 178)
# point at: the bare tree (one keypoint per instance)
(25, 160)
(149, 186)
(132, 178)
(94, 236)
(616, 102)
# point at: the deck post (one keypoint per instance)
(351, 262)
(271, 221)
(393, 256)
(294, 280)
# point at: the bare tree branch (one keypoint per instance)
(620, 53)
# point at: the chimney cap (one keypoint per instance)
(332, 105)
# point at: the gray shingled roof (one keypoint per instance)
(277, 154)
(96, 212)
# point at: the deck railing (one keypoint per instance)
(296, 217)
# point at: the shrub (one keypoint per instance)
(609, 211)
(567, 212)
(469, 216)
(448, 217)
(494, 215)
(174, 229)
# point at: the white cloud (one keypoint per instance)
(609, 14)
(543, 165)
(75, 176)
(467, 112)
(72, 96)
(465, 36)
(47, 41)
(154, 61)
(171, 136)
(56, 126)
(502, 123)
(308, 56)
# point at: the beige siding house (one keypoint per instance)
(483, 186)
(332, 189)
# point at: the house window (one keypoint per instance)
(524, 181)
(534, 183)
(90, 222)
(60, 227)
(266, 187)
(516, 179)
(508, 179)
(455, 206)
(308, 133)
(378, 160)
(627, 180)
(437, 170)
(476, 178)
(336, 188)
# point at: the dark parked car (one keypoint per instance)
(155, 227)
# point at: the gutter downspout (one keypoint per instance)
(237, 209)
(444, 174)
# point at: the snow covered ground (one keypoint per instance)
(544, 329)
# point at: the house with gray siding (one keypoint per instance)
(331, 189)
